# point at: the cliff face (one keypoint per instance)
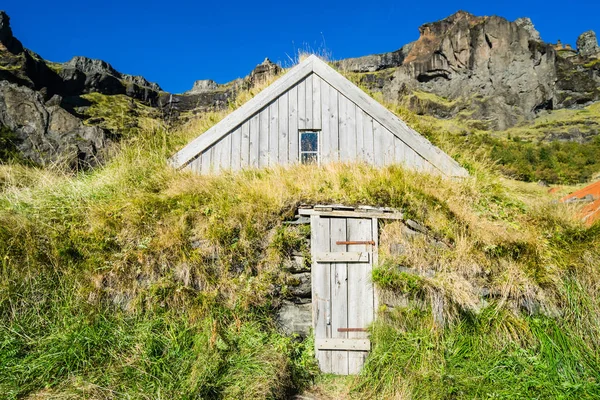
(499, 71)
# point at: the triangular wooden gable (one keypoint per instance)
(312, 96)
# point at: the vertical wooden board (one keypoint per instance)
(206, 162)
(411, 158)
(283, 129)
(245, 146)
(236, 148)
(302, 104)
(375, 264)
(308, 124)
(214, 159)
(326, 115)
(388, 147)
(351, 131)
(378, 144)
(399, 151)
(339, 295)
(316, 102)
(224, 149)
(368, 141)
(344, 134)
(254, 130)
(360, 288)
(334, 137)
(294, 137)
(195, 165)
(321, 288)
(273, 155)
(360, 140)
(263, 141)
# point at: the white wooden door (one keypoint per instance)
(343, 250)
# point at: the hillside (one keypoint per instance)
(124, 278)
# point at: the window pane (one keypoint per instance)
(308, 158)
(309, 141)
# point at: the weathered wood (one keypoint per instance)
(254, 139)
(345, 137)
(245, 147)
(316, 102)
(236, 149)
(273, 152)
(343, 257)
(339, 295)
(283, 129)
(388, 146)
(308, 124)
(368, 142)
(352, 214)
(390, 121)
(321, 288)
(206, 162)
(360, 289)
(375, 262)
(343, 344)
(302, 104)
(224, 148)
(351, 143)
(293, 135)
(326, 113)
(378, 144)
(360, 139)
(240, 115)
(263, 141)
(334, 138)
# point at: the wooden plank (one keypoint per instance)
(334, 137)
(321, 288)
(283, 129)
(343, 344)
(360, 139)
(263, 141)
(343, 257)
(273, 155)
(388, 146)
(399, 151)
(326, 112)
(214, 160)
(360, 289)
(316, 102)
(345, 136)
(368, 141)
(390, 121)
(236, 149)
(375, 263)
(224, 146)
(245, 146)
(355, 214)
(339, 295)
(206, 163)
(308, 124)
(254, 139)
(294, 137)
(237, 117)
(302, 104)
(378, 144)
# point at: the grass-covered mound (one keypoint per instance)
(138, 281)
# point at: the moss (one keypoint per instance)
(592, 64)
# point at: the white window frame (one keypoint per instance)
(318, 152)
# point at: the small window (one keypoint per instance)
(309, 147)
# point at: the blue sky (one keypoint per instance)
(223, 40)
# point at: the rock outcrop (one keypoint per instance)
(587, 44)
(203, 86)
(375, 62)
(46, 133)
(498, 69)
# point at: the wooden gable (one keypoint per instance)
(312, 96)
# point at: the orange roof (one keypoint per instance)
(591, 212)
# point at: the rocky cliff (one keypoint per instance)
(493, 70)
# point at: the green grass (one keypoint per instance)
(137, 281)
